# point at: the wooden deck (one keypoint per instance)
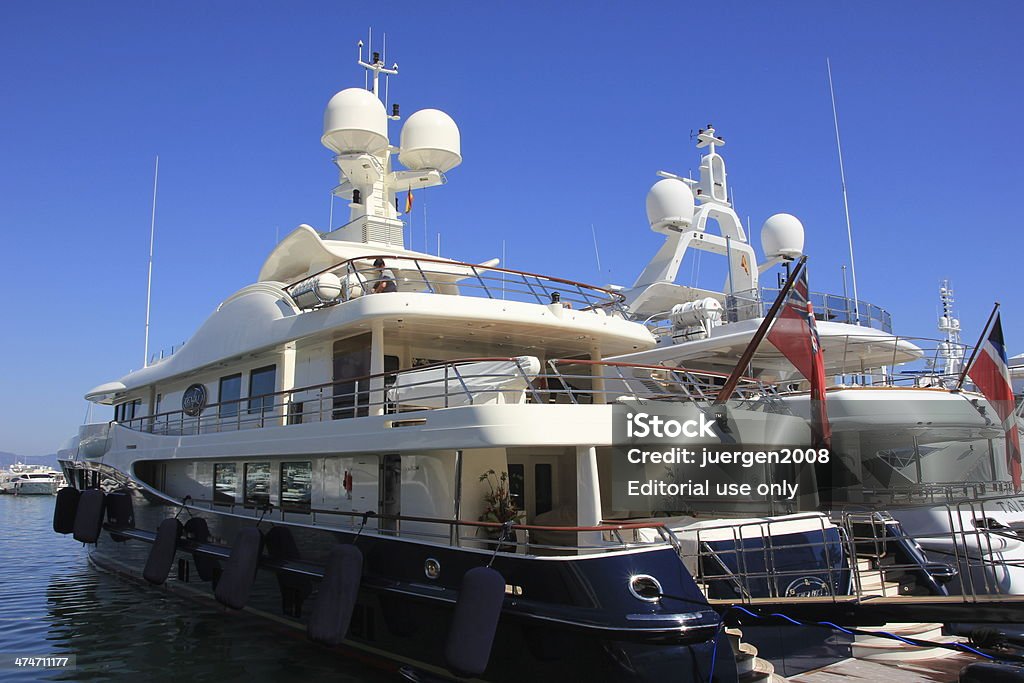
(943, 670)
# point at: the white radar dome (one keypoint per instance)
(355, 123)
(670, 205)
(782, 235)
(430, 140)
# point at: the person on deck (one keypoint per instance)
(385, 279)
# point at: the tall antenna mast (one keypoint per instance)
(846, 201)
(384, 59)
(369, 39)
(149, 277)
(951, 350)
(376, 65)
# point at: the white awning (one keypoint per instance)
(106, 393)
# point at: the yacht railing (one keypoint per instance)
(608, 536)
(470, 381)
(838, 309)
(895, 361)
(769, 558)
(973, 548)
(439, 276)
(940, 492)
(658, 382)
(165, 353)
(938, 363)
(755, 303)
(858, 556)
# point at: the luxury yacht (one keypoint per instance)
(30, 480)
(913, 450)
(413, 457)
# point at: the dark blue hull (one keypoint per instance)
(562, 619)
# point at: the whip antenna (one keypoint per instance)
(597, 254)
(149, 277)
(846, 201)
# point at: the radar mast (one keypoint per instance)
(377, 67)
(951, 350)
(356, 130)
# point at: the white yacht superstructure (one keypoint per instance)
(908, 442)
(413, 429)
(415, 458)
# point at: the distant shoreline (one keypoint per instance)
(8, 459)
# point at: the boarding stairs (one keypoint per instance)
(881, 576)
(888, 580)
(749, 667)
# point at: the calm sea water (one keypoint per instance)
(54, 602)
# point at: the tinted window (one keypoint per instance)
(517, 485)
(257, 484)
(296, 486)
(128, 411)
(351, 361)
(225, 483)
(542, 489)
(261, 383)
(391, 364)
(228, 394)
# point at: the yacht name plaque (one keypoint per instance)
(193, 400)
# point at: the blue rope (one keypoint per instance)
(714, 651)
(886, 634)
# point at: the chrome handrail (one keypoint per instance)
(437, 275)
(374, 392)
(362, 520)
(743, 576)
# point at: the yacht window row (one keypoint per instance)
(294, 494)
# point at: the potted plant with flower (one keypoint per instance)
(498, 504)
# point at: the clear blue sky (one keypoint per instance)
(566, 111)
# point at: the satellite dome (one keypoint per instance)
(430, 140)
(355, 122)
(670, 205)
(782, 235)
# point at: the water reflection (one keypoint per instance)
(56, 603)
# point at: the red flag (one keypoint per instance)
(991, 374)
(796, 336)
(408, 201)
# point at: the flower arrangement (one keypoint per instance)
(498, 504)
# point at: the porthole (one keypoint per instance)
(644, 587)
(432, 568)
